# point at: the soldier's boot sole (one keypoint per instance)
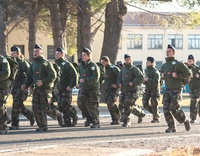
(41, 129)
(187, 125)
(155, 121)
(170, 130)
(140, 118)
(13, 127)
(2, 132)
(114, 123)
(87, 123)
(95, 126)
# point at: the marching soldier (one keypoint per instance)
(194, 86)
(89, 90)
(19, 96)
(151, 81)
(130, 78)
(173, 72)
(42, 75)
(66, 83)
(4, 84)
(112, 90)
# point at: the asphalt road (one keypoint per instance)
(107, 140)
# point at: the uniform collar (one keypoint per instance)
(170, 59)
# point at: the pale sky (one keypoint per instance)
(164, 7)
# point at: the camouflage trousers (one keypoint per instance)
(171, 107)
(130, 106)
(65, 106)
(111, 97)
(41, 106)
(3, 112)
(194, 103)
(121, 103)
(152, 107)
(88, 103)
(18, 107)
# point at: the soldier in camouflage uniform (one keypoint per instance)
(19, 96)
(151, 81)
(66, 83)
(130, 78)
(89, 90)
(4, 84)
(112, 90)
(42, 75)
(194, 86)
(173, 72)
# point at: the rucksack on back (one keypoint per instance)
(13, 67)
(102, 72)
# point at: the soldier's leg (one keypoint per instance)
(128, 104)
(39, 114)
(154, 106)
(93, 107)
(166, 110)
(194, 105)
(145, 101)
(112, 95)
(45, 101)
(121, 105)
(68, 109)
(82, 102)
(136, 109)
(3, 113)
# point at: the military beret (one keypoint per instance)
(126, 56)
(86, 50)
(171, 47)
(191, 57)
(151, 59)
(37, 46)
(15, 48)
(60, 50)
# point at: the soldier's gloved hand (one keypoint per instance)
(39, 83)
(130, 83)
(68, 88)
(174, 75)
(114, 86)
(23, 87)
(81, 80)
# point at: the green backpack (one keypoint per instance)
(13, 67)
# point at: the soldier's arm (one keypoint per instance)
(156, 78)
(51, 74)
(29, 77)
(73, 75)
(139, 77)
(5, 72)
(183, 71)
(95, 75)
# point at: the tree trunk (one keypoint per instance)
(115, 11)
(84, 26)
(33, 15)
(3, 37)
(59, 37)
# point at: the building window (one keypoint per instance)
(158, 64)
(193, 41)
(176, 41)
(50, 52)
(155, 41)
(22, 48)
(134, 41)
